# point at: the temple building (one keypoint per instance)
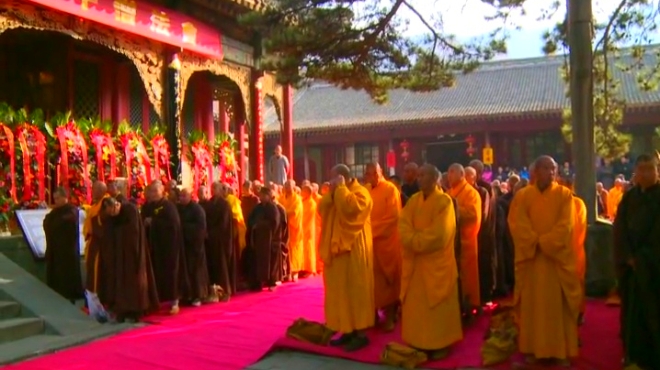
(506, 113)
(185, 64)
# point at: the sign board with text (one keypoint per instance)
(31, 222)
(487, 156)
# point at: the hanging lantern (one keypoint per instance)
(470, 140)
(404, 150)
(391, 159)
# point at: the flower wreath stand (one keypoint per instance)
(201, 160)
(104, 153)
(72, 169)
(32, 154)
(224, 158)
(137, 164)
(7, 163)
(160, 151)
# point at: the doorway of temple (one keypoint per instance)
(443, 154)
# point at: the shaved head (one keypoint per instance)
(457, 167)
(343, 170)
(410, 173)
(477, 165)
(99, 189)
(455, 175)
(545, 171)
(427, 178)
(373, 174)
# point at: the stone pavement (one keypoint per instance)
(289, 360)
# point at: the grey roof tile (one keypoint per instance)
(526, 86)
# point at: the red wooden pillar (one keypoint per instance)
(107, 91)
(122, 94)
(223, 116)
(239, 127)
(204, 107)
(287, 126)
(257, 133)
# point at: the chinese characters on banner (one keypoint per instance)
(145, 20)
(259, 122)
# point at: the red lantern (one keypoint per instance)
(391, 159)
(470, 140)
(404, 147)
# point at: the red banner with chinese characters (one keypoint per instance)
(146, 20)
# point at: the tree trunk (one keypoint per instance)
(580, 37)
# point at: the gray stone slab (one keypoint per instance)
(66, 324)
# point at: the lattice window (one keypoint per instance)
(86, 89)
(136, 99)
(358, 156)
(153, 116)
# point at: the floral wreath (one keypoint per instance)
(73, 173)
(160, 150)
(201, 159)
(224, 157)
(7, 162)
(136, 161)
(103, 149)
(32, 150)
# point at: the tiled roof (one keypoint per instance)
(527, 86)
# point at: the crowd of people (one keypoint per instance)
(427, 249)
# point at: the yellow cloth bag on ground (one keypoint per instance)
(501, 340)
(396, 354)
(309, 332)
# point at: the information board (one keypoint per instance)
(31, 222)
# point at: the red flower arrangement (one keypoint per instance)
(6, 211)
(102, 149)
(136, 161)
(160, 152)
(201, 160)
(32, 154)
(72, 171)
(224, 157)
(7, 163)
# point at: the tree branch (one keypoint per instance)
(436, 35)
(610, 23)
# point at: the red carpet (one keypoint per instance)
(237, 334)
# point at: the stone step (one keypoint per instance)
(19, 328)
(9, 309)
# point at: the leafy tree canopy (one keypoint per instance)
(361, 44)
(622, 47)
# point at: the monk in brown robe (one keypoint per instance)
(62, 230)
(249, 200)
(202, 195)
(219, 245)
(117, 190)
(134, 291)
(387, 249)
(165, 237)
(263, 255)
(490, 279)
(193, 225)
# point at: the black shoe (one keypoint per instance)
(343, 340)
(356, 343)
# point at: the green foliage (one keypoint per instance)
(155, 130)
(360, 44)
(631, 23)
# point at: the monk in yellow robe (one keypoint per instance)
(93, 214)
(347, 254)
(469, 222)
(431, 313)
(386, 242)
(292, 203)
(548, 294)
(614, 197)
(237, 213)
(318, 195)
(309, 230)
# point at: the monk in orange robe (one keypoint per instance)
(386, 242)
(316, 195)
(614, 197)
(548, 294)
(347, 253)
(469, 222)
(431, 313)
(309, 230)
(292, 203)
